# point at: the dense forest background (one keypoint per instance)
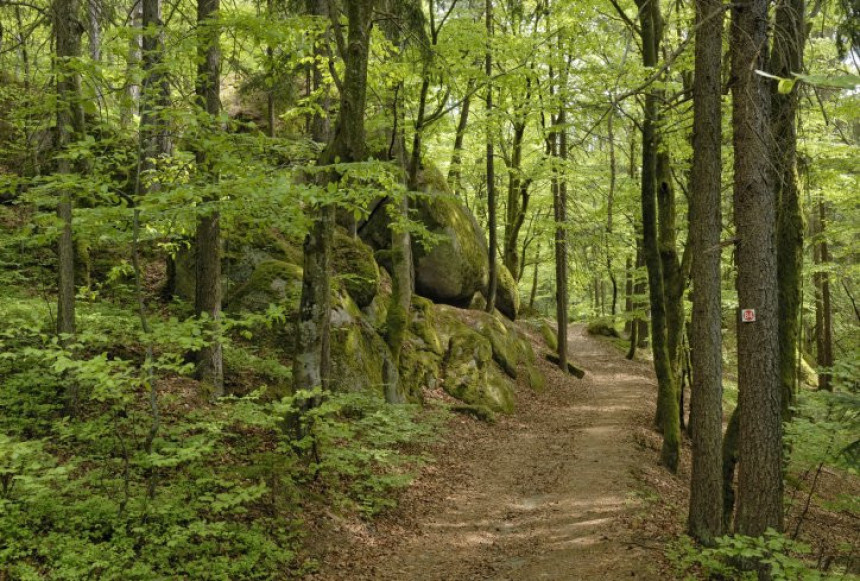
(242, 240)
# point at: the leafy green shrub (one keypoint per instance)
(735, 557)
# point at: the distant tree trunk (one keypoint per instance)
(705, 519)
(673, 276)
(560, 211)
(789, 37)
(491, 178)
(94, 29)
(155, 137)
(667, 394)
(533, 294)
(823, 308)
(609, 208)
(132, 97)
(760, 429)
(455, 169)
(270, 93)
(207, 298)
(628, 294)
(640, 289)
(312, 363)
(70, 127)
(518, 189)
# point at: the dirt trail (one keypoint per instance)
(545, 494)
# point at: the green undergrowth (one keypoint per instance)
(154, 481)
(742, 558)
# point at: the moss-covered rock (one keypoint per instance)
(358, 353)
(549, 334)
(356, 268)
(424, 325)
(456, 266)
(602, 328)
(469, 371)
(507, 293)
(273, 281)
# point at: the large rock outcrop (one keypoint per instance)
(451, 265)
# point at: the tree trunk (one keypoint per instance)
(533, 293)
(823, 308)
(760, 429)
(155, 137)
(207, 301)
(705, 519)
(491, 178)
(518, 190)
(560, 211)
(132, 97)
(628, 295)
(667, 391)
(455, 169)
(789, 36)
(313, 352)
(70, 127)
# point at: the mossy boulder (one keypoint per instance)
(358, 352)
(549, 334)
(602, 328)
(356, 268)
(470, 376)
(452, 266)
(272, 281)
(456, 265)
(507, 293)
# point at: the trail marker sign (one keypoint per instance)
(748, 315)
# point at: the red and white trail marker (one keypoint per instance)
(748, 315)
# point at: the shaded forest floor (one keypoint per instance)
(548, 493)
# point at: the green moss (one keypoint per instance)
(535, 378)
(273, 281)
(602, 328)
(507, 293)
(478, 412)
(455, 266)
(549, 335)
(470, 375)
(356, 268)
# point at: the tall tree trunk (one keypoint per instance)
(628, 295)
(533, 293)
(131, 101)
(789, 36)
(609, 209)
(94, 29)
(823, 308)
(455, 169)
(705, 518)
(70, 127)
(560, 212)
(311, 367)
(760, 430)
(207, 298)
(491, 162)
(155, 137)
(518, 189)
(667, 390)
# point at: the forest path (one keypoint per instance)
(546, 494)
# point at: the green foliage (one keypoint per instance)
(737, 557)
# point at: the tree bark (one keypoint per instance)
(823, 307)
(705, 519)
(667, 390)
(760, 487)
(311, 367)
(560, 213)
(455, 169)
(789, 36)
(491, 178)
(207, 300)
(70, 127)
